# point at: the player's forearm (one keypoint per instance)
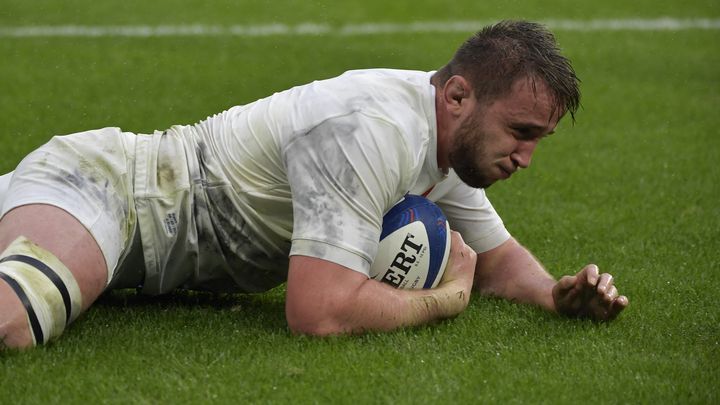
(380, 307)
(325, 299)
(512, 272)
(374, 306)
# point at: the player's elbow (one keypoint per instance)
(318, 329)
(312, 323)
(321, 297)
(319, 315)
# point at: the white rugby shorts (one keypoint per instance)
(138, 196)
(86, 174)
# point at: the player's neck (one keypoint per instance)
(443, 143)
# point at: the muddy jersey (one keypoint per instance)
(221, 205)
(311, 171)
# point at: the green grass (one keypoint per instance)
(633, 187)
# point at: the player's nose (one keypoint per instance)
(522, 156)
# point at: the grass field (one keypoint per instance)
(633, 186)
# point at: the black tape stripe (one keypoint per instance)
(50, 273)
(34, 323)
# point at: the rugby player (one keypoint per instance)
(292, 188)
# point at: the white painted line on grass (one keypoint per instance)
(262, 30)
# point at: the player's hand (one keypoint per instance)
(460, 270)
(589, 294)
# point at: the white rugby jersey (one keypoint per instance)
(313, 169)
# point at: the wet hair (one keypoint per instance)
(497, 56)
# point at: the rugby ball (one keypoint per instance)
(414, 245)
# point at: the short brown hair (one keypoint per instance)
(498, 55)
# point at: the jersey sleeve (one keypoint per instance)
(344, 174)
(469, 212)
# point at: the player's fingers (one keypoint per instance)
(590, 275)
(618, 306)
(462, 256)
(461, 248)
(610, 295)
(457, 245)
(469, 255)
(457, 242)
(604, 283)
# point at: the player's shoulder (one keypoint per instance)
(404, 98)
(387, 85)
(411, 77)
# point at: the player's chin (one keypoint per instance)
(474, 178)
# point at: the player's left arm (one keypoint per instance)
(510, 271)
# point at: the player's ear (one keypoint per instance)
(457, 93)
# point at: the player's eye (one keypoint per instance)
(523, 133)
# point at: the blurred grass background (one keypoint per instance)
(632, 186)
